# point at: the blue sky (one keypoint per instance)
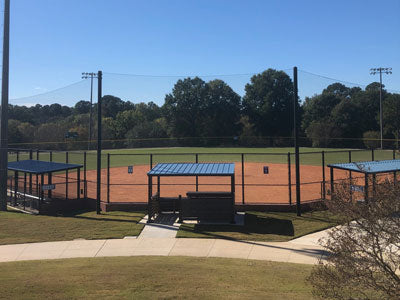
(53, 41)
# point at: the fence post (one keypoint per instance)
(30, 174)
(323, 176)
(108, 177)
(37, 158)
(66, 177)
(51, 155)
(394, 154)
(372, 154)
(84, 166)
(289, 179)
(350, 162)
(151, 161)
(243, 178)
(17, 155)
(197, 177)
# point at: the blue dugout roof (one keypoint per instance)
(370, 167)
(39, 166)
(190, 169)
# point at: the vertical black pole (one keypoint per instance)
(158, 187)
(66, 176)
(366, 188)
(108, 177)
(84, 166)
(197, 177)
(296, 141)
(24, 189)
(149, 204)
(233, 197)
(372, 154)
(78, 184)
(37, 158)
(350, 175)
(99, 121)
(49, 181)
(242, 178)
(4, 109)
(41, 188)
(289, 178)
(51, 155)
(15, 187)
(151, 161)
(30, 174)
(332, 188)
(17, 155)
(323, 176)
(394, 154)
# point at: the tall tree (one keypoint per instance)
(268, 102)
(222, 111)
(185, 107)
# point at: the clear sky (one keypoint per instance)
(53, 41)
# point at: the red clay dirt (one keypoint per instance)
(259, 188)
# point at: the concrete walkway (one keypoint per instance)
(282, 252)
(159, 239)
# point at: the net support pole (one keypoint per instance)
(296, 141)
(289, 178)
(242, 178)
(197, 177)
(99, 121)
(4, 109)
(108, 177)
(323, 175)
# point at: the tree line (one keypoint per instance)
(199, 113)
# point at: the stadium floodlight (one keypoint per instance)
(374, 71)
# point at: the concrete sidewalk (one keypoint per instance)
(278, 251)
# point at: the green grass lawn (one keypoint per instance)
(17, 227)
(187, 154)
(261, 226)
(154, 278)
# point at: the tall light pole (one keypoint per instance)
(4, 109)
(374, 71)
(91, 75)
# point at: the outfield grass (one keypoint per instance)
(154, 278)
(17, 227)
(261, 226)
(187, 154)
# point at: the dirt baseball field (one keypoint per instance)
(259, 187)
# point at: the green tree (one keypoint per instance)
(391, 116)
(268, 102)
(185, 107)
(222, 112)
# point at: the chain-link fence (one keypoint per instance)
(124, 174)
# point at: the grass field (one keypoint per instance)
(154, 278)
(261, 226)
(187, 154)
(17, 227)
